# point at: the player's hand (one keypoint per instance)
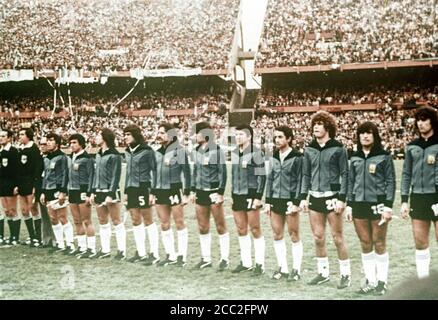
(192, 197)
(61, 198)
(257, 204)
(340, 207)
(88, 201)
(107, 201)
(220, 198)
(152, 200)
(184, 200)
(43, 199)
(304, 205)
(348, 214)
(15, 191)
(92, 196)
(404, 210)
(267, 209)
(386, 215)
(33, 191)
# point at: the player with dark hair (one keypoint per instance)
(140, 170)
(54, 194)
(208, 182)
(30, 167)
(248, 185)
(8, 183)
(420, 183)
(371, 191)
(325, 178)
(283, 189)
(106, 195)
(80, 181)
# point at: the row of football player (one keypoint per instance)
(318, 182)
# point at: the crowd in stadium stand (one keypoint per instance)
(302, 32)
(91, 34)
(396, 127)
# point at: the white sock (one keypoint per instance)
(105, 237)
(121, 237)
(297, 255)
(205, 240)
(323, 266)
(140, 238)
(82, 242)
(344, 267)
(37, 217)
(152, 230)
(259, 250)
(422, 260)
(68, 233)
(382, 265)
(183, 242)
(369, 267)
(91, 243)
(224, 244)
(245, 250)
(281, 252)
(169, 243)
(59, 236)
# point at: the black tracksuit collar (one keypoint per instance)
(54, 154)
(108, 151)
(423, 143)
(329, 144)
(374, 152)
(293, 153)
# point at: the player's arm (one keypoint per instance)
(116, 172)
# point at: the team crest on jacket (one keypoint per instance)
(5, 162)
(23, 159)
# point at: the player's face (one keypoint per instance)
(4, 139)
(200, 138)
(51, 145)
(162, 136)
(99, 139)
(43, 146)
(242, 137)
(280, 140)
(366, 139)
(75, 146)
(424, 126)
(319, 130)
(22, 137)
(129, 138)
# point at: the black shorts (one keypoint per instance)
(242, 202)
(138, 198)
(206, 198)
(423, 206)
(25, 187)
(7, 188)
(50, 195)
(77, 196)
(170, 197)
(101, 196)
(367, 210)
(323, 205)
(283, 206)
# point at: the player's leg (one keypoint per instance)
(67, 229)
(203, 218)
(277, 224)
(57, 230)
(80, 230)
(164, 214)
(152, 231)
(336, 222)
(182, 233)
(421, 229)
(139, 235)
(382, 256)
(11, 204)
(259, 241)
(26, 208)
(241, 221)
(119, 226)
(90, 234)
(318, 222)
(293, 226)
(217, 210)
(105, 233)
(365, 234)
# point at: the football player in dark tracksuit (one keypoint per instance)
(54, 194)
(325, 178)
(171, 191)
(208, 182)
(8, 183)
(248, 185)
(30, 168)
(371, 191)
(140, 170)
(283, 189)
(80, 183)
(420, 179)
(106, 195)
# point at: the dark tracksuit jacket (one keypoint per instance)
(140, 166)
(284, 179)
(8, 165)
(55, 172)
(372, 178)
(108, 170)
(173, 168)
(248, 172)
(30, 165)
(325, 169)
(420, 168)
(209, 169)
(81, 173)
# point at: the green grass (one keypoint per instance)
(27, 273)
